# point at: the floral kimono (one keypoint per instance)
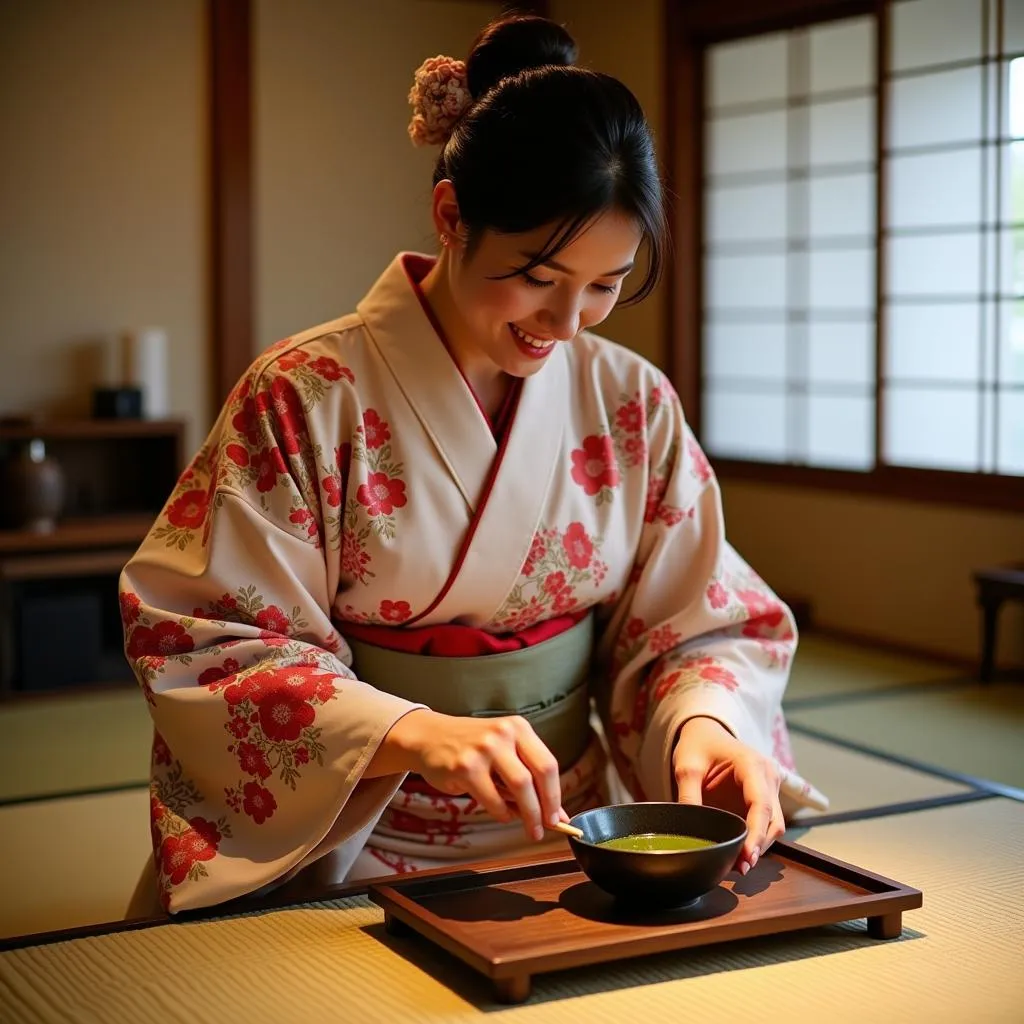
(353, 482)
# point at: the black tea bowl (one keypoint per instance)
(657, 879)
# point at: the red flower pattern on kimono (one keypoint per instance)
(395, 611)
(375, 430)
(718, 596)
(630, 417)
(283, 714)
(663, 639)
(272, 619)
(165, 638)
(640, 705)
(765, 615)
(782, 749)
(355, 560)
(189, 510)
(448, 830)
(335, 489)
(395, 861)
(265, 425)
(290, 360)
(331, 370)
(557, 565)
(130, 605)
(217, 672)
(578, 547)
(699, 465)
(692, 672)
(656, 508)
(383, 491)
(252, 760)
(381, 494)
(178, 853)
(656, 487)
(537, 552)
(283, 400)
(268, 463)
(629, 431)
(246, 422)
(594, 467)
(301, 516)
(530, 614)
(259, 802)
(161, 752)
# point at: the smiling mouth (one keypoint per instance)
(540, 344)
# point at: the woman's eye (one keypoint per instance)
(536, 282)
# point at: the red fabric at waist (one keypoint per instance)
(453, 640)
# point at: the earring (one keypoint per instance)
(444, 240)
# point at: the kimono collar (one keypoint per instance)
(440, 396)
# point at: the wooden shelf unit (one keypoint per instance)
(58, 590)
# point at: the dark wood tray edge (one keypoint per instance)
(882, 903)
(872, 908)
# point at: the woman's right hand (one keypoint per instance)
(481, 757)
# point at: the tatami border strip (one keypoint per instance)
(69, 794)
(985, 785)
(945, 684)
(927, 803)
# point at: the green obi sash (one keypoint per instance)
(547, 684)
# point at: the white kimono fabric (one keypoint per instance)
(352, 478)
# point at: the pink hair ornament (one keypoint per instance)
(439, 97)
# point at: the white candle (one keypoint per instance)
(145, 367)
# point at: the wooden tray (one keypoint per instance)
(510, 922)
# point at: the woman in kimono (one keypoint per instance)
(449, 567)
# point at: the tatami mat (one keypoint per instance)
(827, 668)
(60, 745)
(976, 731)
(67, 863)
(958, 959)
(856, 782)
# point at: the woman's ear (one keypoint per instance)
(445, 210)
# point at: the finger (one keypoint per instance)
(761, 800)
(777, 826)
(689, 785)
(518, 781)
(544, 769)
(482, 788)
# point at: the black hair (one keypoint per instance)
(547, 142)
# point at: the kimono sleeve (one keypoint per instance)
(262, 732)
(696, 632)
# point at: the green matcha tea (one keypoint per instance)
(648, 842)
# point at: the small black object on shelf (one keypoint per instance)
(117, 403)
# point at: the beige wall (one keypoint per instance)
(339, 187)
(102, 195)
(893, 570)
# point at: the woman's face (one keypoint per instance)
(517, 322)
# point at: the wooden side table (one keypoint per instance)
(995, 585)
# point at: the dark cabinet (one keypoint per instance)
(59, 619)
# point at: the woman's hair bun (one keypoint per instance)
(516, 44)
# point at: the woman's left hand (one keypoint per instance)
(712, 767)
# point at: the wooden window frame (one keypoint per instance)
(691, 26)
